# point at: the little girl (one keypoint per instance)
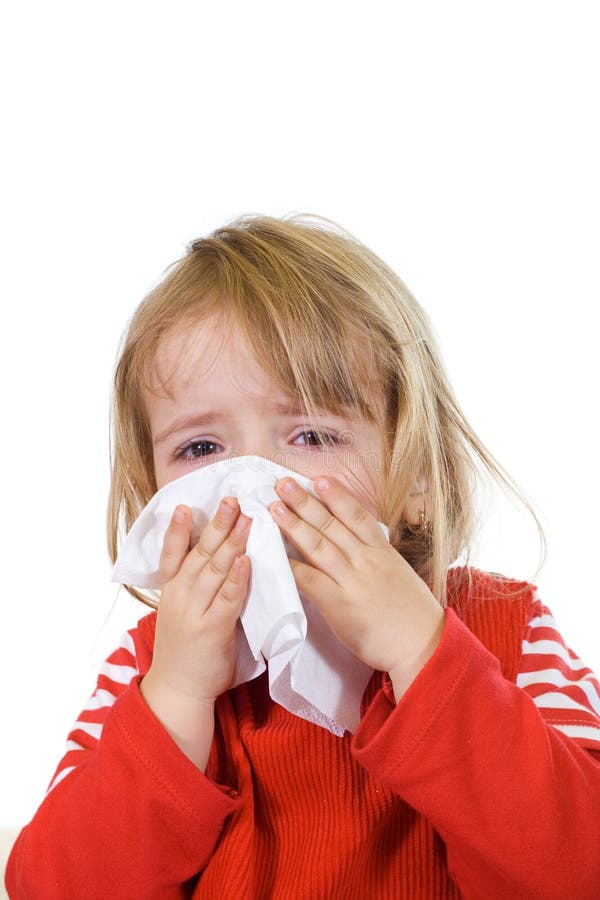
(475, 769)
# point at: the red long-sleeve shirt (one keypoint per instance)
(471, 786)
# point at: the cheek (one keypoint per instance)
(160, 474)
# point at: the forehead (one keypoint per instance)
(212, 358)
(190, 352)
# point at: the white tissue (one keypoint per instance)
(311, 673)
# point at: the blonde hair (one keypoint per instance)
(332, 324)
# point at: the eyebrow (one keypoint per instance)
(284, 408)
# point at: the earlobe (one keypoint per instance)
(415, 514)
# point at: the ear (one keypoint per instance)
(417, 501)
(420, 487)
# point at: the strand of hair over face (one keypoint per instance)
(333, 325)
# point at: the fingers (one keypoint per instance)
(332, 531)
(201, 603)
(219, 576)
(211, 572)
(232, 593)
(350, 511)
(316, 543)
(228, 524)
(215, 532)
(176, 542)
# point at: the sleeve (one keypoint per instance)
(563, 688)
(127, 814)
(514, 797)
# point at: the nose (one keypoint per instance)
(288, 458)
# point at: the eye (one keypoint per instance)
(196, 450)
(328, 438)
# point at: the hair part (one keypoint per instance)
(335, 327)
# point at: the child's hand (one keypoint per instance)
(202, 597)
(371, 598)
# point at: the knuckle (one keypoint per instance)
(214, 568)
(308, 578)
(319, 546)
(302, 501)
(201, 549)
(328, 524)
(228, 593)
(359, 515)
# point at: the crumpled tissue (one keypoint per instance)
(311, 673)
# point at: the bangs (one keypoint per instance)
(305, 332)
(314, 356)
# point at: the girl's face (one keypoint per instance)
(223, 404)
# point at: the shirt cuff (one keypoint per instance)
(165, 762)
(406, 725)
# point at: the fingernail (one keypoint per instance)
(180, 514)
(321, 484)
(242, 524)
(228, 505)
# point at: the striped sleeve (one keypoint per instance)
(114, 676)
(564, 689)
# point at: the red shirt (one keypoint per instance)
(471, 786)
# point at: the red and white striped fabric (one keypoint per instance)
(564, 689)
(566, 692)
(114, 676)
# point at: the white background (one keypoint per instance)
(458, 140)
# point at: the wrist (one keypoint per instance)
(188, 720)
(405, 670)
(154, 684)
